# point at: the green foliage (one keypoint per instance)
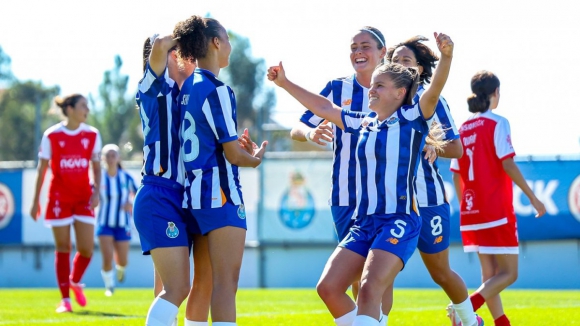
(5, 72)
(114, 112)
(245, 75)
(282, 307)
(18, 106)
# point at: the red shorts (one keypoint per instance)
(502, 239)
(60, 213)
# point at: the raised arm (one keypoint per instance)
(319, 105)
(159, 49)
(430, 97)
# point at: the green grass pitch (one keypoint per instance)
(280, 307)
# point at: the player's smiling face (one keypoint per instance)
(382, 92)
(364, 52)
(406, 57)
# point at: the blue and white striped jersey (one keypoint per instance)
(429, 186)
(348, 94)
(387, 155)
(208, 112)
(115, 193)
(160, 121)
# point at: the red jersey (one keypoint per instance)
(487, 198)
(69, 153)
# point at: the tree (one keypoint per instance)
(245, 75)
(5, 71)
(114, 112)
(18, 107)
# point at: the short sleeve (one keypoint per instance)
(443, 116)
(45, 150)
(151, 84)
(413, 114)
(219, 110)
(309, 118)
(502, 140)
(354, 121)
(454, 167)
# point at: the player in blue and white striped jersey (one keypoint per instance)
(114, 218)
(367, 52)
(391, 139)
(165, 229)
(434, 208)
(211, 156)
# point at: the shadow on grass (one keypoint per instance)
(105, 314)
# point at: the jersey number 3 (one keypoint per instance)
(188, 135)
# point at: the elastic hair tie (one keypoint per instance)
(375, 34)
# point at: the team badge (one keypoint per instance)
(172, 231)
(392, 121)
(242, 212)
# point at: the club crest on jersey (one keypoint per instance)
(242, 212)
(85, 142)
(172, 231)
(185, 99)
(61, 143)
(392, 121)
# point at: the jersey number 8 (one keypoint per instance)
(188, 135)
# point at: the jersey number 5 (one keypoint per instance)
(188, 135)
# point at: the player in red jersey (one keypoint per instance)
(69, 147)
(483, 181)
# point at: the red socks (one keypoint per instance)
(476, 301)
(80, 265)
(62, 265)
(502, 321)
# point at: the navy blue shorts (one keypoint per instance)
(343, 221)
(118, 233)
(158, 215)
(394, 233)
(210, 219)
(435, 229)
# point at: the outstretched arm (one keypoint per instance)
(319, 105)
(430, 97)
(320, 135)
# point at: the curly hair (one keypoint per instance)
(483, 85)
(146, 52)
(402, 77)
(426, 58)
(193, 36)
(64, 102)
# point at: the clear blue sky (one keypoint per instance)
(530, 45)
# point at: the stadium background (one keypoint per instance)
(290, 233)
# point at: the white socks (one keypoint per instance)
(161, 313)
(362, 320)
(346, 320)
(223, 323)
(108, 278)
(465, 312)
(195, 323)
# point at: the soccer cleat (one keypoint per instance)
(456, 321)
(77, 289)
(109, 291)
(64, 306)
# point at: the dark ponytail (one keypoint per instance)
(483, 85)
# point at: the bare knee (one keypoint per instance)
(442, 277)
(325, 290)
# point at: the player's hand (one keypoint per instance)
(321, 135)
(539, 207)
(246, 143)
(94, 202)
(444, 44)
(35, 211)
(430, 153)
(260, 152)
(277, 74)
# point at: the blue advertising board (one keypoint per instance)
(10, 206)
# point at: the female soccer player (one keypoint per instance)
(483, 181)
(69, 147)
(367, 50)
(391, 139)
(211, 156)
(114, 218)
(164, 227)
(433, 206)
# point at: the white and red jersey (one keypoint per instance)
(69, 153)
(487, 189)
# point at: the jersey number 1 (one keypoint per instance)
(469, 152)
(188, 135)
